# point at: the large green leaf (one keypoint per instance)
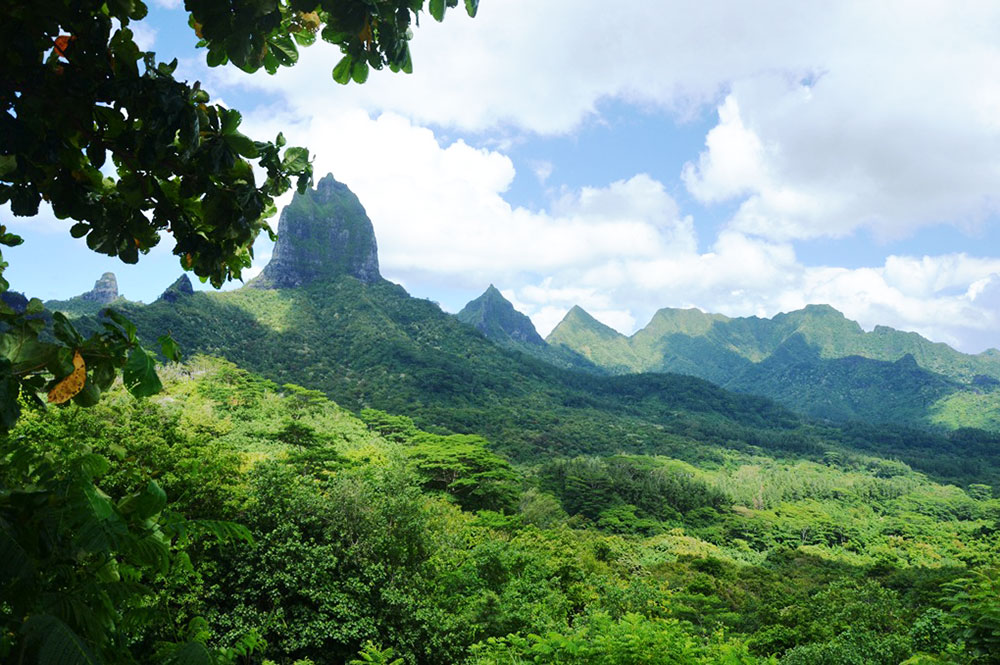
(296, 158)
(191, 653)
(56, 643)
(436, 8)
(146, 503)
(140, 374)
(342, 70)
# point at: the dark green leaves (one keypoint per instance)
(436, 8)
(342, 71)
(146, 503)
(140, 374)
(296, 159)
(169, 347)
(359, 71)
(56, 643)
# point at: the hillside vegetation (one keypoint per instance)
(814, 361)
(370, 540)
(374, 346)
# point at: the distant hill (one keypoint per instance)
(495, 317)
(813, 360)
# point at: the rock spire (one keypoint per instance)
(322, 234)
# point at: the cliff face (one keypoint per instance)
(323, 233)
(105, 290)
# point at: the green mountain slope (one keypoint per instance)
(598, 343)
(495, 317)
(372, 345)
(813, 360)
(365, 343)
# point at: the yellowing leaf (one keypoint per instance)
(72, 384)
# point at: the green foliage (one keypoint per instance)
(600, 640)
(79, 90)
(81, 568)
(382, 349)
(747, 560)
(44, 353)
(975, 606)
(461, 465)
(813, 360)
(616, 489)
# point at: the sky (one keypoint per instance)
(741, 158)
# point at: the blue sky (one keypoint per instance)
(741, 158)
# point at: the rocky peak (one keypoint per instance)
(494, 316)
(180, 288)
(105, 289)
(322, 234)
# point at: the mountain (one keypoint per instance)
(814, 360)
(335, 325)
(367, 343)
(180, 288)
(104, 293)
(325, 233)
(495, 317)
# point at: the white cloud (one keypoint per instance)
(45, 222)
(831, 119)
(542, 169)
(143, 34)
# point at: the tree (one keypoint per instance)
(76, 90)
(104, 133)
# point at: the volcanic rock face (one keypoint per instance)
(180, 288)
(105, 289)
(323, 233)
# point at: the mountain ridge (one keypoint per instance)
(814, 360)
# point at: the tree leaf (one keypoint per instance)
(72, 384)
(140, 374)
(57, 643)
(359, 72)
(128, 326)
(436, 8)
(146, 503)
(342, 71)
(283, 48)
(169, 347)
(10, 389)
(191, 653)
(296, 159)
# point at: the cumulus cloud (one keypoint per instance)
(830, 120)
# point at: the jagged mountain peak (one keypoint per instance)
(495, 316)
(180, 288)
(105, 289)
(322, 234)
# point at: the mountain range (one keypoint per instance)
(320, 315)
(813, 360)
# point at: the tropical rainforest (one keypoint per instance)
(342, 473)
